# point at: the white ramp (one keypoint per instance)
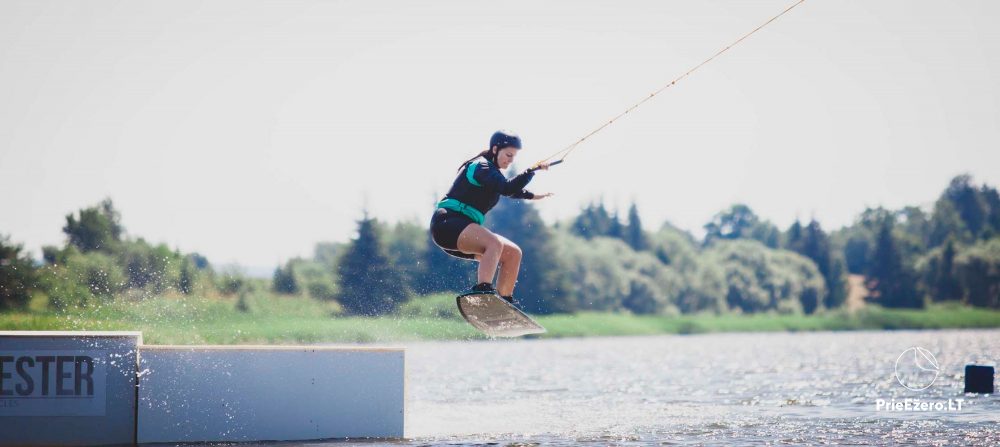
(269, 393)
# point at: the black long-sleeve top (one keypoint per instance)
(480, 185)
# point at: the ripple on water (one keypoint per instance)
(805, 388)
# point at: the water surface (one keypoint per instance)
(773, 388)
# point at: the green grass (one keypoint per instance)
(870, 318)
(266, 318)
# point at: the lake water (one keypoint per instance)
(775, 388)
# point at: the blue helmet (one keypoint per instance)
(505, 138)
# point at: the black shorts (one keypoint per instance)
(446, 225)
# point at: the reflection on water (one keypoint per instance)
(779, 388)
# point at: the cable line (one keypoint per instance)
(569, 149)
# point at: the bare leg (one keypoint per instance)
(477, 240)
(510, 264)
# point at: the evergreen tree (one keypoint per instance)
(592, 222)
(860, 237)
(889, 279)
(369, 285)
(615, 227)
(604, 222)
(766, 233)
(284, 281)
(942, 280)
(541, 286)
(814, 243)
(793, 240)
(816, 246)
(857, 253)
(584, 225)
(635, 236)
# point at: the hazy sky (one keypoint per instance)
(249, 130)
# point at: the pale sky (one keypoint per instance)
(248, 130)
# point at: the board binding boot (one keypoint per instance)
(483, 287)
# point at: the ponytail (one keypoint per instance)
(487, 154)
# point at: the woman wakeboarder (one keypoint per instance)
(457, 224)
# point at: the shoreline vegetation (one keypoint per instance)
(276, 319)
(601, 273)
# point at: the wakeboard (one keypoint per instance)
(495, 317)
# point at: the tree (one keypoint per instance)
(316, 278)
(815, 245)
(328, 253)
(859, 239)
(200, 262)
(992, 201)
(760, 279)
(97, 228)
(939, 273)
(793, 239)
(946, 224)
(857, 253)
(369, 285)
(634, 235)
(605, 274)
(18, 277)
(284, 281)
(406, 245)
(146, 266)
(444, 273)
(837, 285)
(963, 194)
(978, 269)
(97, 271)
(734, 223)
(541, 285)
(740, 222)
(674, 247)
(767, 234)
(593, 221)
(871, 219)
(615, 227)
(916, 226)
(186, 282)
(644, 297)
(889, 280)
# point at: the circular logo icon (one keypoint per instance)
(917, 369)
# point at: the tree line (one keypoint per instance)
(601, 261)
(596, 261)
